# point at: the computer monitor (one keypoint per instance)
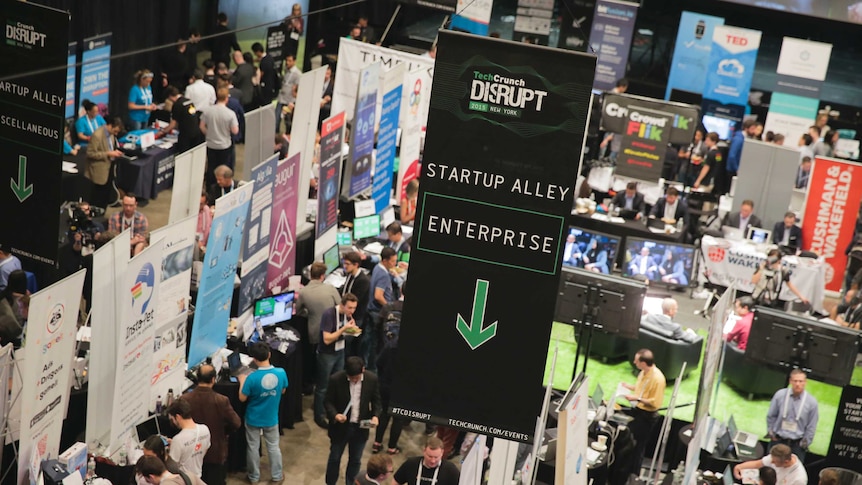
(661, 262)
(368, 226)
(591, 250)
(616, 301)
(332, 259)
(272, 310)
(344, 238)
(758, 235)
(722, 126)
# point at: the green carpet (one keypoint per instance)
(750, 416)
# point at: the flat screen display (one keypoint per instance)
(840, 10)
(368, 226)
(344, 238)
(660, 262)
(331, 259)
(722, 126)
(590, 250)
(272, 310)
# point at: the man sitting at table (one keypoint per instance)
(223, 185)
(788, 468)
(787, 234)
(851, 314)
(664, 325)
(571, 251)
(643, 264)
(129, 217)
(670, 208)
(743, 219)
(630, 199)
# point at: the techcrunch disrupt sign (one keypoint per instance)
(23, 35)
(493, 93)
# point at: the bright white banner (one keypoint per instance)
(573, 439)
(418, 91)
(804, 58)
(188, 178)
(5, 375)
(303, 134)
(51, 330)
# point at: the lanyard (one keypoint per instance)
(348, 287)
(146, 97)
(419, 474)
(93, 124)
(801, 404)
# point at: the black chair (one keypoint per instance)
(748, 378)
(669, 353)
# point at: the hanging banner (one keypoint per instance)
(137, 293)
(691, 52)
(473, 16)
(71, 70)
(643, 147)
(731, 64)
(830, 213)
(802, 67)
(362, 133)
(51, 330)
(256, 247)
(96, 72)
(353, 56)
(282, 228)
(533, 21)
(611, 40)
(215, 291)
(31, 130)
(622, 111)
(275, 40)
(331, 140)
(411, 131)
(502, 113)
(575, 22)
(387, 135)
(790, 115)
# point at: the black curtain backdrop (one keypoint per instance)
(134, 26)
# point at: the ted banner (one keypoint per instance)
(830, 213)
(505, 128)
(731, 64)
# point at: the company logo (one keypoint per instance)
(269, 382)
(731, 68)
(416, 97)
(716, 254)
(643, 130)
(501, 94)
(55, 317)
(23, 35)
(142, 290)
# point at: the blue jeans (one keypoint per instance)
(368, 343)
(327, 364)
(354, 439)
(136, 125)
(270, 437)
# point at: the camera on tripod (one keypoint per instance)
(82, 223)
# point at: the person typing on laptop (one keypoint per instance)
(792, 417)
(789, 469)
(630, 200)
(743, 219)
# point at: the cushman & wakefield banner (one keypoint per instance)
(731, 64)
(506, 126)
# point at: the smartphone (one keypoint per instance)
(234, 379)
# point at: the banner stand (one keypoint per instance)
(542, 419)
(6, 432)
(658, 454)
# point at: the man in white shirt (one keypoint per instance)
(201, 94)
(190, 445)
(788, 468)
(218, 123)
(287, 94)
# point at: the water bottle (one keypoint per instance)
(159, 405)
(91, 467)
(170, 398)
(679, 224)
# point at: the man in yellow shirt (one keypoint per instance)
(646, 398)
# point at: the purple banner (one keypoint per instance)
(611, 40)
(362, 144)
(282, 228)
(331, 139)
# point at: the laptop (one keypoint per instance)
(235, 365)
(733, 233)
(724, 443)
(740, 438)
(758, 235)
(596, 398)
(655, 223)
(629, 214)
(147, 428)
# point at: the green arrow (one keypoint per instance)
(473, 332)
(20, 188)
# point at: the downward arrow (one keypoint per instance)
(473, 332)
(20, 188)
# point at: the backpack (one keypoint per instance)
(391, 329)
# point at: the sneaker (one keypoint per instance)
(277, 482)
(394, 451)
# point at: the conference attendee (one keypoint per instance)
(287, 93)
(330, 350)
(213, 410)
(8, 263)
(788, 467)
(829, 476)
(205, 222)
(244, 78)
(200, 93)
(293, 28)
(131, 218)
(383, 278)
(14, 303)
(152, 471)
(210, 75)
(355, 33)
(189, 446)
(353, 407)
(157, 446)
(88, 124)
(672, 270)
(743, 307)
(630, 199)
(821, 122)
(787, 234)
(826, 146)
(69, 148)
(803, 173)
(778, 139)
(646, 398)
(846, 302)
(234, 105)
(407, 209)
(175, 66)
(691, 158)
(805, 145)
(326, 96)
(396, 238)
(141, 100)
(217, 124)
(357, 283)
(571, 252)
(644, 264)
(429, 468)
(313, 300)
(192, 48)
(850, 315)
(663, 323)
(671, 208)
(224, 183)
(792, 416)
(744, 218)
(261, 391)
(223, 41)
(268, 77)
(185, 118)
(769, 279)
(767, 476)
(712, 166)
(391, 318)
(378, 471)
(102, 150)
(595, 258)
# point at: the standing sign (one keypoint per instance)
(275, 40)
(830, 214)
(96, 71)
(572, 441)
(620, 111)
(331, 140)
(33, 108)
(473, 16)
(611, 40)
(387, 135)
(691, 52)
(71, 70)
(362, 134)
(215, 292)
(731, 64)
(256, 248)
(48, 354)
(411, 130)
(282, 228)
(844, 447)
(507, 122)
(533, 21)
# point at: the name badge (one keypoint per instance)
(339, 345)
(294, 35)
(789, 425)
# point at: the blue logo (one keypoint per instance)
(142, 290)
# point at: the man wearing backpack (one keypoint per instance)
(390, 317)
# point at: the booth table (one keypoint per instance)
(625, 228)
(148, 174)
(736, 261)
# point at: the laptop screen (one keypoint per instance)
(731, 427)
(598, 395)
(147, 428)
(724, 442)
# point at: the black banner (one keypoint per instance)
(275, 47)
(505, 130)
(32, 110)
(619, 110)
(445, 5)
(644, 145)
(845, 448)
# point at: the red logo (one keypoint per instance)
(716, 254)
(732, 39)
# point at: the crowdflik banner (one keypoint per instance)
(691, 52)
(362, 134)
(731, 64)
(96, 71)
(611, 40)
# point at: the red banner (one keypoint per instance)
(830, 214)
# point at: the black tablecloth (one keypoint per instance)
(74, 186)
(148, 174)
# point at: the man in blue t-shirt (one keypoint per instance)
(384, 279)
(262, 389)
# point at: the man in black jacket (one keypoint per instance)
(225, 40)
(630, 199)
(353, 407)
(269, 84)
(671, 207)
(357, 283)
(787, 234)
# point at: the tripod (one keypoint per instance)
(591, 308)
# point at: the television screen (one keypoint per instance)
(660, 262)
(272, 310)
(617, 302)
(344, 238)
(722, 126)
(332, 259)
(827, 352)
(368, 226)
(591, 250)
(841, 10)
